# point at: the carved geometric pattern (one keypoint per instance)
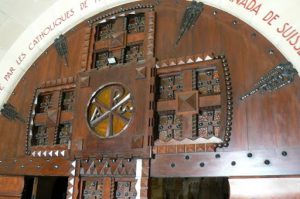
(141, 72)
(104, 31)
(84, 81)
(136, 23)
(120, 12)
(71, 181)
(93, 189)
(118, 40)
(209, 122)
(108, 167)
(170, 126)
(39, 136)
(52, 117)
(49, 123)
(169, 85)
(187, 103)
(151, 33)
(67, 100)
(64, 133)
(125, 190)
(44, 103)
(49, 153)
(134, 53)
(207, 82)
(198, 102)
(184, 60)
(101, 59)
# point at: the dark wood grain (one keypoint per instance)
(263, 124)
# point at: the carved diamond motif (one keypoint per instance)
(118, 40)
(187, 103)
(141, 72)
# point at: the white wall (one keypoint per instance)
(21, 53)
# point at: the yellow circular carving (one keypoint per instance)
(110, 110)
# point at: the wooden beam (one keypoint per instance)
(211, 100)
(241, 163)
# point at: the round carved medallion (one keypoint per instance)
(110, 110)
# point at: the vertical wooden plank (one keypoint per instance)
(107, 187)
(11, 187)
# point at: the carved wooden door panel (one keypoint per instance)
(178, 105)
(193, 105)
(116, 111)
(115, 105)
(50, 126)
(114, 178)
(114, 94)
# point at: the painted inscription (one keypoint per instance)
(59, 21)
(286, 30)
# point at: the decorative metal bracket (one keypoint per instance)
(190, 16)
(62, 47)
(9, 112)
(278, 77)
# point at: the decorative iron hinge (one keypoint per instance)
(61, 46)
(278, 77)
(190, 16)
(9, 112)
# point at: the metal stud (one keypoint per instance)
(233, 163)
(226, 144)
(228, 133)
(267, 162)
(228, 84)
(227, 78)
(229, 107)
